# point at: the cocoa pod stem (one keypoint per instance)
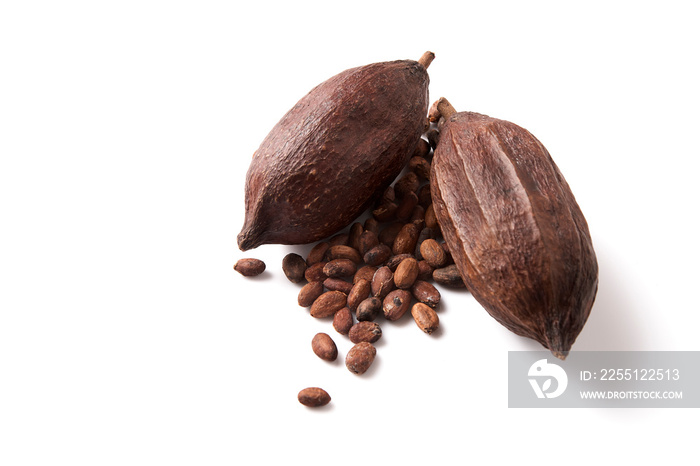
(426, 59)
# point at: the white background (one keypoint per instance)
(126, 129)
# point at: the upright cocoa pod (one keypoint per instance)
(361, 125)
(514, 229)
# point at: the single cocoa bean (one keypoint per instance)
(385, 212)
(426, 318)
(360, 357)
(389, 195)
(448, 255)
(448, 276)
(365, 272)
(309, 293)
(324, 347)
(396, 304)
(409, 183)
(433, 253)
(425, 271)
(369, 309)
(424, 199)
(406, 273)
(317, 253)
(394, 261)
(249, 267)
(368, 240)
(430, 219)
(405, 242)
(388, 234)
(339, 268)
(328, 304)
(371, 224)
(359, 292)
(433, 137)
(405, 208)
(425, 293)
(378, 255)
(365, 331)
(341, 239)
(420, 167)
(354, 234)
(294, 267)
(343, 252)
(337, 284)
(315, 273)
(342, 321)
(422, 149)
(382, 282)
(418, 215)
(313, 397)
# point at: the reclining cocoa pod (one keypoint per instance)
(334, 152)
(514, 229)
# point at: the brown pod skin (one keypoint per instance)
(249, 267)
(360, 357)
(324, 347)
(514, 229)
(313, 397)
(361, 125)
(342, 321)
(309, 293)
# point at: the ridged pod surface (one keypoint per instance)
(334, 152)
(514, 229)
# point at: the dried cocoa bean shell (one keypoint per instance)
(516, 233)
(313, 397)
(360, 357)
(449, 276)
(368, 309)
(338, 268)
(425, 317)
(337, 284)
(406, 273)
(328, 304)
(294, 267)
(342, 321)
(359, 292)
(324, 347)
(382, 282)
(425, 293)
(361, 125)
(396, 304)
(249, 267)
(309, 293)
(365, 331)
(378, 255)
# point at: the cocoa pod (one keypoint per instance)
(449, 276)
(294, 266)
(324, 347)
(362, 125)
(342, 321)
(249, 267)
(328, 304)
(309, 293)
(426, 318)
(360, 357)
(368, 309)
(313, 397)
(515, 231)
(365, 331)
(396, 304)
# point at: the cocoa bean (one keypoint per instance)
(315, 273)
(372, 225)
(359, 292)
(378, 255)
(396, 304)
(418, 215)
(317, 253)
(249, 267)
(324, 347)
(382, 282)
(342, 321)
(328, 304)
(425, 271)
(309, 293)
(420, 167)
(368, 240)
(341, 239)
(405, 208)
(425, 293)
(394, 261)
(388, 234)
(369, 309)
(313, 397)
(448, 276)
(405, 242)
(409, 183)
(360, 357)
(433, 253)
(337, 284)
(354, 234)
(338, 268)
(406, 273)
(365, 331)
(426, 318)
(365, 272)
(422, 149)
(424, 199)
(433, 137)
(343, 252)
(294, 266)
(430, 219)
